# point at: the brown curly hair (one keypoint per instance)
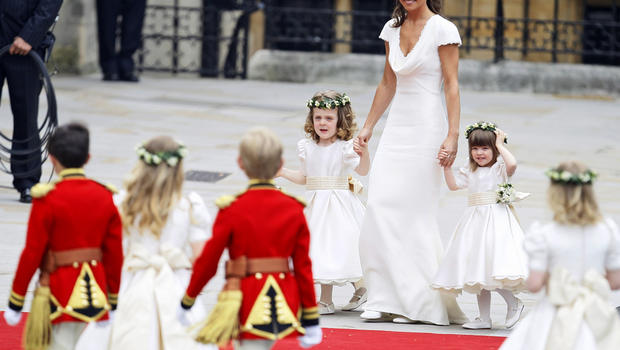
(346, 118)
(400, 13)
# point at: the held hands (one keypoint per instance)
(20, 47)
(359, 148)
(500, 137)
(447, 151)
(313, 336)
(12, 317)
(364, 136)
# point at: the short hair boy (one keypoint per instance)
(74, 238)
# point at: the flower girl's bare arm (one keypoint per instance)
(509, 159)
(362, 151)
(450, 180)
(536, 280)
(613, 277)
(295, 176)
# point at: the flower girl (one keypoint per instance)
(164, 231)
(334, 212)
(485, 252)
(577, 258)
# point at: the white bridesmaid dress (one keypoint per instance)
(400, 246)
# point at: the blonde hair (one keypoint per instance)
(346, 118)
(260, 152)
(152, 189)
(479, 137)
(573, 204)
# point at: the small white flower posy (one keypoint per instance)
(505, 193)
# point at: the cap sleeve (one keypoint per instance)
(499, 168)
(387, 33)
(535, 245)
(301, 153)
(461, 176)
(200, 220)
(350, 158)
(448, 33)
(612, 260)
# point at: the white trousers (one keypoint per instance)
(66, 335)
(255, 344)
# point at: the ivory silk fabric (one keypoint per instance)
(575, 312)
(334, 215)
(400, 246)
(486, 248)
(156, 272)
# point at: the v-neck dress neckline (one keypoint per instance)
(400, 49)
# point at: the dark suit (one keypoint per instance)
(132, 13)
(30, 20)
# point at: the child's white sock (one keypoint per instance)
(326, 293)
(509, 298)
(484, 305)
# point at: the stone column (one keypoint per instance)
(76, 38)
(343, 26)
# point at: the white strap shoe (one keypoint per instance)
(359, 297)
(478, 324)
(514, 313)
(326, 309)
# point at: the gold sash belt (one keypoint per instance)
(314, 183)
(482, 198)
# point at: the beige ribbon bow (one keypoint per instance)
(153, 293)
(355, 185)
(576, 302)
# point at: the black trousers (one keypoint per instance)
(131, 13)
(23, 79)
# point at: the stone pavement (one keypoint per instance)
(210, 116)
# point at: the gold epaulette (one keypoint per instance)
(225, 201)
(300, 199)
(41, 189)
(108, 186)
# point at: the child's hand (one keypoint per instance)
(359, 148)
(500, 137)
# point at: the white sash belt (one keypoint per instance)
(587, 301)
(314, 183)
(481, 198)
(154, 294)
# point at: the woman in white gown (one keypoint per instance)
(400, 246)
(163, 232)
(577, 258)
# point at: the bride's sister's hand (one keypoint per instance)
(447, 151)
(364, 136)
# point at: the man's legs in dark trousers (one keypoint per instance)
(23, 80)
(107, 24)
(131, 34)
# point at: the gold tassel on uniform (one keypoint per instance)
(222, 325)
(38, 330)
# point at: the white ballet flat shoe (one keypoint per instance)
(402, 320)
(478, 324)
(326, 309)
(514, 313)
(359, 297)
(376, 316)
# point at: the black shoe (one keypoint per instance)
(25, 196)
(110, 77)
(131, 77)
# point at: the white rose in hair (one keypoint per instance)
(172, 161)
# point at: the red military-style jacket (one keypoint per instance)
(263, 222)
(73, 213)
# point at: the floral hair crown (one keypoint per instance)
(568, 178)
(482, 126)
(171, 158)
(324, 102)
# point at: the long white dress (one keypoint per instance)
(156, 271)
(400, 245)
(486, 248)
(575, 312)
(334, 215)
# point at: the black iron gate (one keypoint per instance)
(210, 39)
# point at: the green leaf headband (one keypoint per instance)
(171, 158)
(568, 178)
(482, 126)
(323, 102)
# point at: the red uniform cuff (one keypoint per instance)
(16, 301)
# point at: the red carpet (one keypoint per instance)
(10, 339)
